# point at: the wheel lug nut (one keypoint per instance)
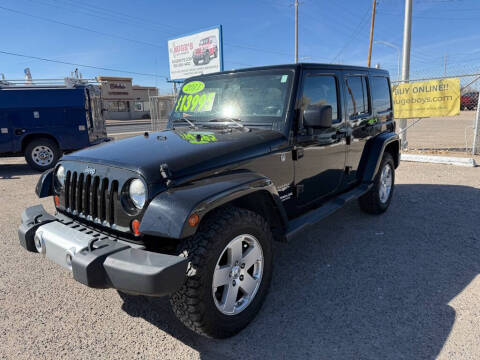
(241, 277)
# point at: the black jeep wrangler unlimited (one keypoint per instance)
(249, 156)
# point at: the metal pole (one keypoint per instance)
(296, 31)
(476, 129)
(371, 33)
(386, 43)
(445, 65)
(407, 35)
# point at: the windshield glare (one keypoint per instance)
(255, 98)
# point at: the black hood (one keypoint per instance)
(186, 152)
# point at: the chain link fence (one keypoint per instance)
(160, 108)
(447, 135)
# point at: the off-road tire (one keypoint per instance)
(45, 142)
(370, 202)
(193, 303)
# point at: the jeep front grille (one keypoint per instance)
(91, 197)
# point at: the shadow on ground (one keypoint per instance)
(358, 286)
(14, 171)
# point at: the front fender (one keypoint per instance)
(373, 153)
(44, 186)
(167, 214)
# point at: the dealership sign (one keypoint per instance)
(427, 98)
(196, 54)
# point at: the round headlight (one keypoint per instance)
(137, 193)
(61, 176)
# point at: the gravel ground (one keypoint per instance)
(403, 285)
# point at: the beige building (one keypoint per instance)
(123, 100)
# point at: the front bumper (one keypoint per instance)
(98, 261)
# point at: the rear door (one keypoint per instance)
(360, 119)
(94, 112)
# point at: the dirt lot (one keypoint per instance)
(404, 285)
(442, 134)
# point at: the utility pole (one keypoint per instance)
(407, 36)
(371, 33)
(296, 31)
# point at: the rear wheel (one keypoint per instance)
(42, 154)
(229, 273)
(378, 198)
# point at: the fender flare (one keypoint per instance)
(373, 153)
(44, 186)
(167, 214)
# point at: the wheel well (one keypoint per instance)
(393, 148)
(263, 204)
(30, 137)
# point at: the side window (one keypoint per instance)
(357, 96)
(380, 94)
(321, 90)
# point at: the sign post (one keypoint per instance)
(196, 54)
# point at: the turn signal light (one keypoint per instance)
(193, 220)
(136, 227)
(57, 200)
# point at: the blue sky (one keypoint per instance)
(132, 35)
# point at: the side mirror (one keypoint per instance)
(317, 116)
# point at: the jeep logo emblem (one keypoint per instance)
(90, 171)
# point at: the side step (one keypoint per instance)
(303, 222)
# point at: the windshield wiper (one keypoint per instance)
(186, 120)
(230, 119)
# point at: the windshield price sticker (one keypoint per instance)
(193, 87)
(195, 103)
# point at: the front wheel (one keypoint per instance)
(229, 273)
(378, 198)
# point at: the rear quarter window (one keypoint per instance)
(380, 94)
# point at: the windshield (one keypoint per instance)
(252, 98)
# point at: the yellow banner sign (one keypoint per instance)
(427, 98)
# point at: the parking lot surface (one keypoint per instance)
(404, 285)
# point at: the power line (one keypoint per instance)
(79, 27)
(80, 65)
(79, 8)
(247, 47)
(354, 34)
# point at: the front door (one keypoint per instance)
(320, 154)
(6, 137)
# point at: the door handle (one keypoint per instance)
(19, 131)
